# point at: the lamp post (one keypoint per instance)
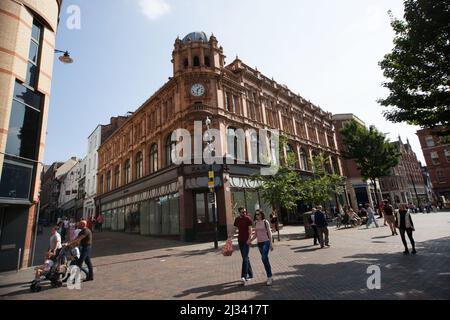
(415, 191)
(211, 186)
(65, 58)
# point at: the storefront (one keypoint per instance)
(150, 213)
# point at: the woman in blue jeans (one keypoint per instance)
(263, 235)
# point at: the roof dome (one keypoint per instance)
(196, 36)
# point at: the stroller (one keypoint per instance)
(56, 268)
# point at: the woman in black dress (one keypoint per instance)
(405, 224)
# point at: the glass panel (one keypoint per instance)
(237, 201)
(174, 214)
(135, 216)
(107, 215)
(200, 207)
(121, 219)
(265, 207)
(252, 202)
(154, 222)
(210, 213)
(23, 131)
(15, 181)
(34, 51)
(145, 218)
(165, 215)
(36, 31)
(27, 96)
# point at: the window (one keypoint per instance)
(101, 184)
(16, 179)
(170, 146)
(33, 54)
(196, 61)
(228, 102)
(207, 63)
(254, 147)
(304, 160)
(441, 176)
(116, 177)
(429, 141)
(153, 158)
(139, 165)
(435, 158)
(447, 155)
(290, 151)
(236, 104)
(127, 171)
(232, 142)
(108, 181)
(186, 63)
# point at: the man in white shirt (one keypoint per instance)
(55, 240)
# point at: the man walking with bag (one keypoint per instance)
(243, 224)
(322, 226)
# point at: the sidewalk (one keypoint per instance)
(135, 267)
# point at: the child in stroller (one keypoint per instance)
(56, 267)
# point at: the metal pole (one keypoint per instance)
(216, 242)
(18, 259)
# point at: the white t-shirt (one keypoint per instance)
(55, 241)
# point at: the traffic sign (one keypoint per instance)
(211, 174)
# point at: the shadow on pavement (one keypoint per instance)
(422, 276)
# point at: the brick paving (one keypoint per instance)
(135, 267)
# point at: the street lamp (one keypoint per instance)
(211, 185)
(65, 58)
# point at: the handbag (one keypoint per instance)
(227, 249)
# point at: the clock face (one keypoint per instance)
(197, 90)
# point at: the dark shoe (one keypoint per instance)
(414, 251)
(321, 247)
(327, 244)
(89, 279)
(406, 252)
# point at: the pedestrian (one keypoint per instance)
(322, 226)
(370, 216)
(100, 220)
(405, 224)
(389, 216)
(84, 241)
(381, 210)
(263, 235)
(274, 224)
(55, 241)
(243, 225)
(313, 225)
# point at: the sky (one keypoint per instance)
(327, 51)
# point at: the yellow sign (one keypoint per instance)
(211, 174)
(210, 184)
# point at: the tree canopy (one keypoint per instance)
(418, 68)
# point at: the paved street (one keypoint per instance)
(134, 267)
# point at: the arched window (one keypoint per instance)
(196, 61)
(170, 145)
(304, 160)
(290, 151)
(127, 171)
(186, 63)
(101, 184)
(232, 143)
(207, 63)
(117, 177)
(108, 181)
(254, 147)
(139, 165)
(153, 158)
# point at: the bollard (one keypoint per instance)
(18, 259)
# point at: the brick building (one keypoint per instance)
(437, 157)
(27, 43)
(359, 191)
(405, 184)
(141, 190)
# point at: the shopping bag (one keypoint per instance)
(227, 249)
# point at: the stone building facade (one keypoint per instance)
(141, 190)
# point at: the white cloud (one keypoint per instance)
(153, 9)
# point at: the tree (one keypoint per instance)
(418, 66)
(281, 189)
(374, 155)
(322, 185)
